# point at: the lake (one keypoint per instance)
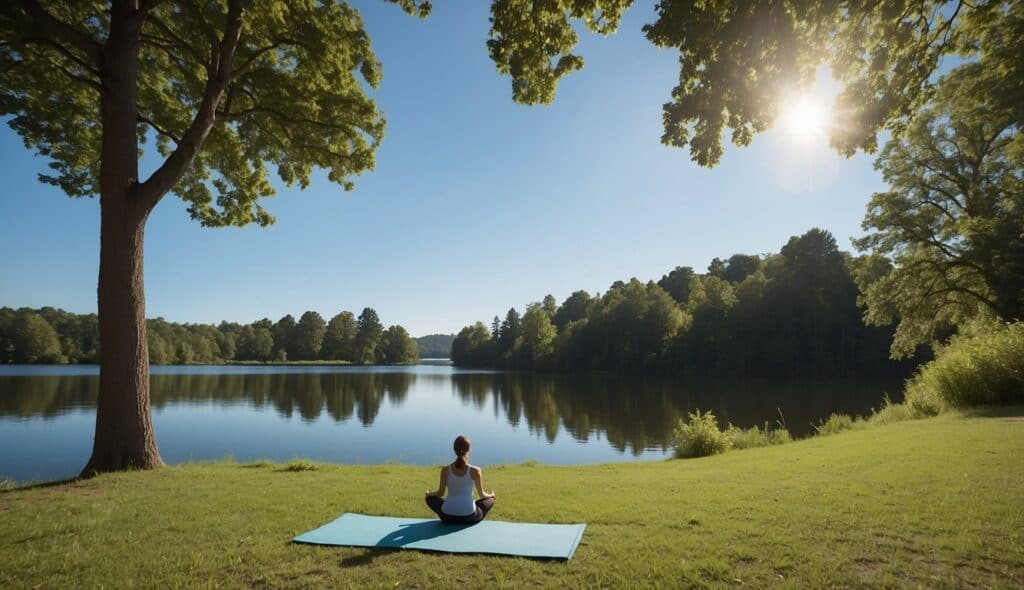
(407, 414)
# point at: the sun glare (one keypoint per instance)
(804, 118)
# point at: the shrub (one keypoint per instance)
(836, 423)
(756, 436)
(301, 465)
(973, 370)
(699, 436)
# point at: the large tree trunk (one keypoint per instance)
(124, 428)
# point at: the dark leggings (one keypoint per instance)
(483, 506)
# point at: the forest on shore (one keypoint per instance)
(54, 336)
(791, 313)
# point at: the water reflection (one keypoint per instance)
(338, 395)
(632, 413)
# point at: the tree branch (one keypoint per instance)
(164, 178)
(175, 39)
(95, 85)
(158, 129)
(64, 32)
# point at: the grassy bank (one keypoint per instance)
(933, 503)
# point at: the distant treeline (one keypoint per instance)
(791, 313)
(49, 335)
(435, 346)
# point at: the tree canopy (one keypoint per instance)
(795, 313)
(48, 336)
(947, 238)
(738, 60)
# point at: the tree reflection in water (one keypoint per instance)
(632, 413)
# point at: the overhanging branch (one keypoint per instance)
(60, 30)
(164, 178)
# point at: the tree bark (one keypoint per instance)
(124, 427)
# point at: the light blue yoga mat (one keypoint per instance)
(489, 536)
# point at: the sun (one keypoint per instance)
(805, 118)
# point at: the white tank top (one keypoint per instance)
(460, 493)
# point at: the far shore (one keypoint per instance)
(256, 364)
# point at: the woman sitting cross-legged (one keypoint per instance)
(459, 479)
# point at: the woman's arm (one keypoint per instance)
(440, 486)
(478, 477)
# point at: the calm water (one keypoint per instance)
(403, 414)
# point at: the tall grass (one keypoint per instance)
(973, 370)
(700, 436)
(837, 423)
(757, 436)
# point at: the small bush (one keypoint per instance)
(6, 484)
(973, 370)
(301, 465)
(836, 423)
(699, 436)
(756, 436)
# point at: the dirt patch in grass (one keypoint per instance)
(868, 569)
(47, 492)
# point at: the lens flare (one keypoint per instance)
(804, 118)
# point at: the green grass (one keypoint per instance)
(936, 503)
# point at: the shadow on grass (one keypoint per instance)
(10, 486)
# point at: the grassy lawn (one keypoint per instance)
(930, 503)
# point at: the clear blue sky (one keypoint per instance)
(476, 205)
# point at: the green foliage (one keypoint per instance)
(536, 341)
(297, 465)
(945, 240)
(757, 436)
(340, 337)
(837, 423)
(292, 95)
(368, 334)
(891, 413)
(698, 436)
(738, 61)
(309, 335)
(435, 346)
(33, 340)
(254, 343)
(473, 347)
(794, 313)
(974, 370)
(396, 347)
(677, 283)
(507, 338)
(532, 41)
(574, 308)
(49, 335)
